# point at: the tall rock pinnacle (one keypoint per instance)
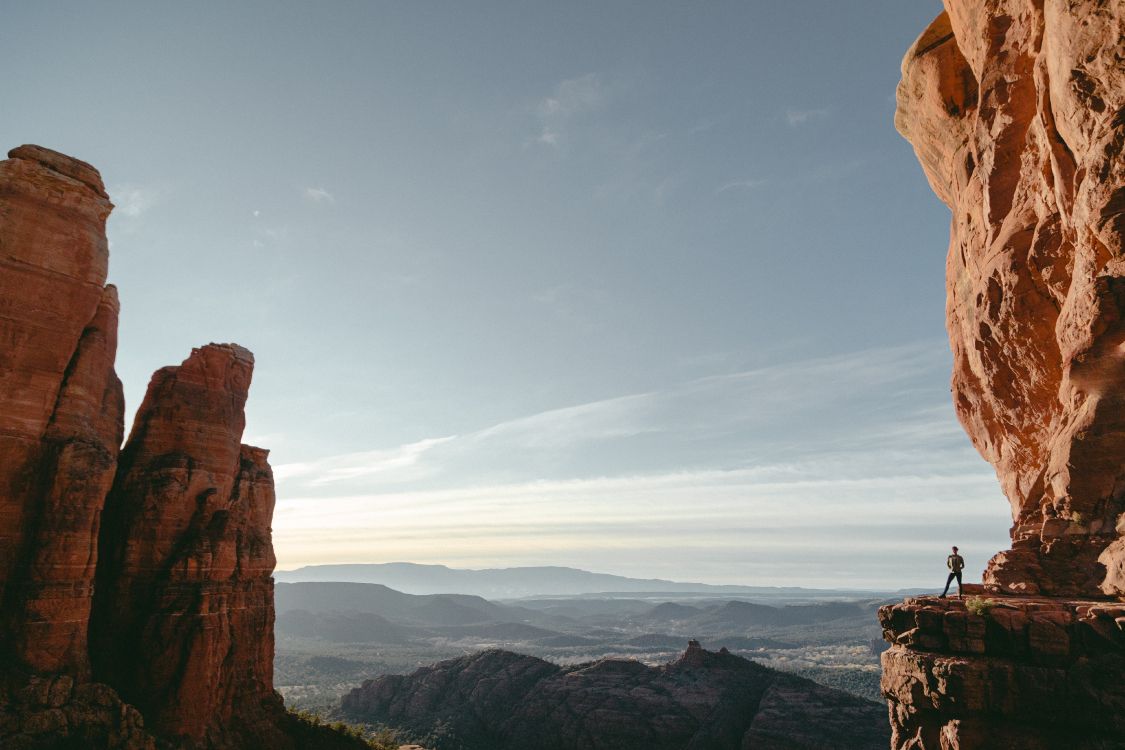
(60, 403)
(160, 553)
(183, 617)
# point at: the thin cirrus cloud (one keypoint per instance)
(740, 185)
(404, 463)
(797, 117)
(750, 473)
(761, 525)
(318, 195)
(133, 201)
(570, 99)
(760, 412)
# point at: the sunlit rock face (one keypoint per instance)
(1015, 110)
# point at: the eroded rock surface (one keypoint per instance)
(183, 620)
(503, 701)
(60, 404)
(1034, 673)
(179, 555)
(1016, 109)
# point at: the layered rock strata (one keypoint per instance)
(60, 404)
(497, 700)
(160, 554)
(1016, 110)
(183, 616)
(1033, 673)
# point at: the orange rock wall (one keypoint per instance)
(160, 552)
(1016, 110)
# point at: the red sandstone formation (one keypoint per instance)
(505, 701)
(1016, 109)
(1032, 673)
(60, 403)
(182, 619)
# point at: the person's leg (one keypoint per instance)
(947, 582)
(959, 587)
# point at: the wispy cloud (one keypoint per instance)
(774, 413)
(796, 117)
(571, 98)
(768, 525)
(402, 463)
(133, 201)
(704, 125)
(548, 137)
(600, 420)
(756, 472)
(318, 195)
(748, 184)
(579, 305)
(266, 235)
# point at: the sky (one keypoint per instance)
(646, 288)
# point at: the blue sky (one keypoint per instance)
(648, 288)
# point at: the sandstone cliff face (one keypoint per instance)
(164, 557)
(183, 619)
(1016, 109)
(1024, 672)
(60, 403)
(500, 700)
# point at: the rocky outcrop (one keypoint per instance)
(183, 617)
(160, 553)
(60, 404)
(45, 713)
(1016, 110)
(502, 701)
(1009, 672)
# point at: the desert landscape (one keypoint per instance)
(144, 603)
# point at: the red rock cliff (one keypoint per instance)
(183, 621)
(1016, 109)
(60, 403)
(162, 552)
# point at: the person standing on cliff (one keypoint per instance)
(956, 564)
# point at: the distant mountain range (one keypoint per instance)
(373, 613)
(518, 583)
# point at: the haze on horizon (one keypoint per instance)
(642, 288)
